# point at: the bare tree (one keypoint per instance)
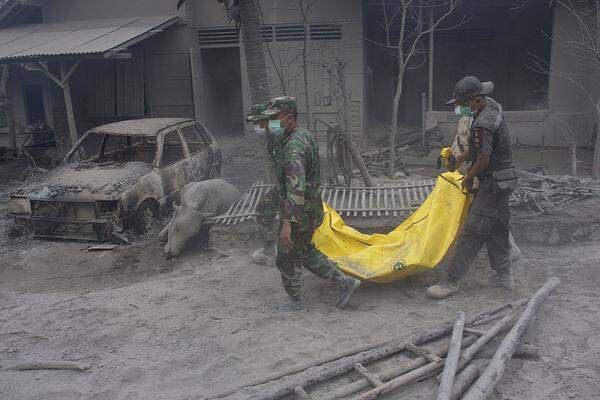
(6, 105)
(304, 7)
(413, 19)
(584, 50)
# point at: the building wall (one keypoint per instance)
(566, 102)
(168, 73)
(287, 54)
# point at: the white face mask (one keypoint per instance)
(260, 131)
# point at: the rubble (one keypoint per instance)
(544, 194)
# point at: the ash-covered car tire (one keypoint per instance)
(147, 216)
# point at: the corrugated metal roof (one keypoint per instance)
(97, 36)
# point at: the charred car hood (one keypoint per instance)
(98, 180)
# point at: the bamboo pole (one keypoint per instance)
(340, 366)
(493, 373)
(434, 366)
(391, 373)
(447, 382)
(468, 354)
(464, 380)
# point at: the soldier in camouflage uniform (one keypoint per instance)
(268, 206)
(298, 179)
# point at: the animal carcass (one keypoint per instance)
(199, 201)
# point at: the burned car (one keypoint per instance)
(116, 176)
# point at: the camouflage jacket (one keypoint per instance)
(299, 179)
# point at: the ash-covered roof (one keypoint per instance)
(77, 38)
(139, 127)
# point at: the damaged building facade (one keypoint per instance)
(75, 64)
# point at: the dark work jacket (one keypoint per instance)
(491, 118)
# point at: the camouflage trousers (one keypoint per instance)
(487, 223)
(303, 254)
(266, 218)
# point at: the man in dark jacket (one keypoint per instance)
(488, 219)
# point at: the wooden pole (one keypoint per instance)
(391, 373)
(447, 382)
(493, 373)
(424, 120)
(341, 366)
(464, 380)
(66, 87)
(434, 366)
(468, 354)
(430, 80)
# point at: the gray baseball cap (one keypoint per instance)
(468, 87)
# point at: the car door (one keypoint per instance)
(175, 165)
(201, 157)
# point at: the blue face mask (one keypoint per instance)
(275, 127)
(463, 111)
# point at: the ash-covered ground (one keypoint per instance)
(182, 329)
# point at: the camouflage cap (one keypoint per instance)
(256, 112)
(282, 103)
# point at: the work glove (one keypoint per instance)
(447, 159)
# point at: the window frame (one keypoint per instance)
(200, 134)
(206, 133)
(182, 142)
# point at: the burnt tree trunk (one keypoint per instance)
(596, 163)
(254, 51)
(6, 106)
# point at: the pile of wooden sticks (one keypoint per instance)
(461, 378)
(543, 194)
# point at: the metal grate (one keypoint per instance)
(398, 200)
(270, 33)
(325, 32)
(217, 36)
(288, 33)
(267, 33)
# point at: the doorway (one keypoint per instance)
(34, 104)
(224, 108)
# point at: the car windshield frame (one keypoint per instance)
(95, 158)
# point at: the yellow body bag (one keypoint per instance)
(417, 245)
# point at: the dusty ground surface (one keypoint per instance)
(181, 329)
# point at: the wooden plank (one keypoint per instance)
(422, 352)
(373, 379)
(401, 198)
(335, 195)
(364, 202)
(371, 197)
(261, 191)
(249, 205)
(349, 202)
(241, 203)
(416, 197)
(393, 194)
(385, 200)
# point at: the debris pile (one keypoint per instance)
(543, 194)
(463, 374)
